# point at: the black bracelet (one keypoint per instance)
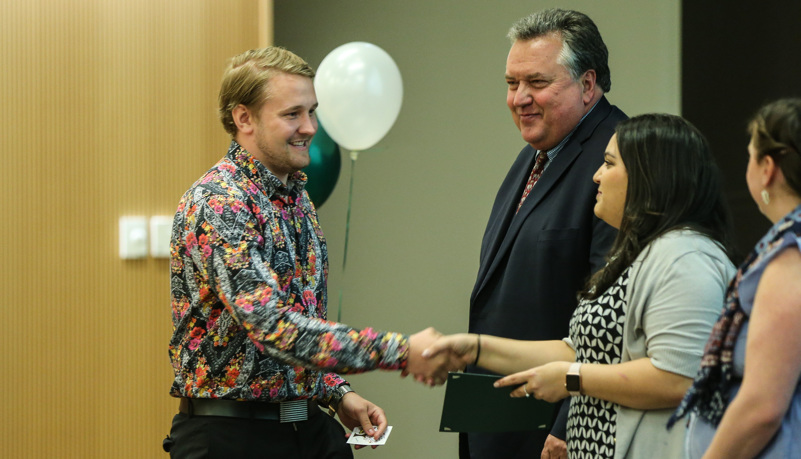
(478, 349)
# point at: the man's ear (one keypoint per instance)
(588, 86)
(244, 119)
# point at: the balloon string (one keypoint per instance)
(354, 155)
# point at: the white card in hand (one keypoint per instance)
(358, 437)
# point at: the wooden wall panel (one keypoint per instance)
(108, 110)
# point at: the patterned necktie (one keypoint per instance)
(536, 171)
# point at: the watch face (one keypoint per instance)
(573, 383)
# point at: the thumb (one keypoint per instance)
(367, 424)
(441, 345)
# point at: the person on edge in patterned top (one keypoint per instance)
(745, 401)
(253, 354)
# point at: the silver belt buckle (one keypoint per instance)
(294, 411)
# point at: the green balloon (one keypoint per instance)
(323, 168)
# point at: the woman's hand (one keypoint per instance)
(461, 349)
(546, 382)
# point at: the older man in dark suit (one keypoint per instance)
(543, 240)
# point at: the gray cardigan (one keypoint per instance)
(674, 296)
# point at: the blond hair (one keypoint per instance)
(246, 80)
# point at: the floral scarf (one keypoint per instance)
(708, 395)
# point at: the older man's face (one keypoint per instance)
(546, 103)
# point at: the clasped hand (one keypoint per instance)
(546, 382)
(430, 369)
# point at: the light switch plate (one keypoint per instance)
(160, 234)
(133, 237)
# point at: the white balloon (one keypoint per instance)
(359, 91)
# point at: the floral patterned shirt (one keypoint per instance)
(248, 284)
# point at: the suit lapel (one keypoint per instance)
(503, 214)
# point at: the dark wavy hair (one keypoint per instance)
(673, 183)
(776, 132)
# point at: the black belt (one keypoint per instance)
(291, 411)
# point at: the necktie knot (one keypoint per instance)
(536, 172)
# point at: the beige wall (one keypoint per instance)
(108, 110)
(422, 197)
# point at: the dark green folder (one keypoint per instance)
(472, 404)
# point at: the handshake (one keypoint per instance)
(432, 355)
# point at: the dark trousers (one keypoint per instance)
(212, 437)
(507, 445)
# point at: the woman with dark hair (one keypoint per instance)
(748, 385)
(636, 337)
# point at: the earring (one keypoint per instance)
(765, 197)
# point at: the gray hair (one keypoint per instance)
(582, 46)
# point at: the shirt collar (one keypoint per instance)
(263, 177)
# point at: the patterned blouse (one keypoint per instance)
(596, 330)
(248, 284)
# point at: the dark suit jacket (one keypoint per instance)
(534, 262)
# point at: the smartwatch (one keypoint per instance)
(336, 396)
(573, 379)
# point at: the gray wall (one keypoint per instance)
(421, 197)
